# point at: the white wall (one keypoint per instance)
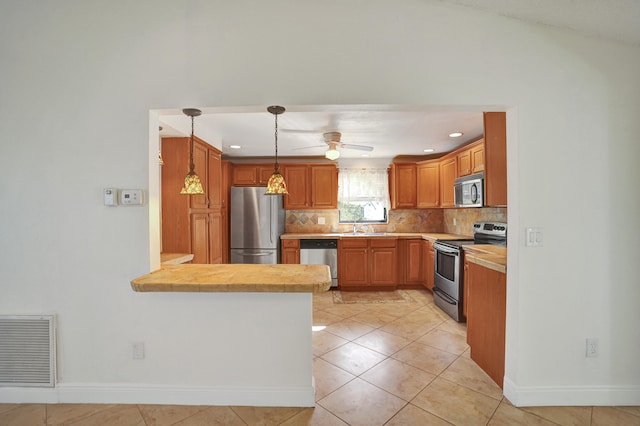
(79, 79)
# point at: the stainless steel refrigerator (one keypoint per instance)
(257, 221)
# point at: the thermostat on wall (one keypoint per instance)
(131, 197)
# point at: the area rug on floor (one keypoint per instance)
(395, 296)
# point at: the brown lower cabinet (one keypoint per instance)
(485, 304)
(291, 251)
(411, 266)
(429, 263)
(367, 264)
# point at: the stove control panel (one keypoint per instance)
(498, 229)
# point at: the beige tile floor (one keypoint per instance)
(374, 364)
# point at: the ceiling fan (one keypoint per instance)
(332, 141)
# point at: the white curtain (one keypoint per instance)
(357, 185)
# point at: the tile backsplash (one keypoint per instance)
(464, 218)
(417, 220)
(306, 221)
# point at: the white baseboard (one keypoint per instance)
(529, 396)
(124, 393)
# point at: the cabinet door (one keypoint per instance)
(264, 173)
(486, 316)
(291, 251)
(216, 237)
(244, 174)
(429, 267)
(404, 183)
(297, 183)
(464, 163)
(324, 186)
(200, 237)
(477, 158)
(495, 158)
(447, 180)
(428, 187)
(200, 160)
(383, 267)
(214, 179)
(413, 262)
(353, 267)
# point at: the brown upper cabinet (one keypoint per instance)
(495, 158)
(311, 186)
(403, 188)
(448, 175)
(471, 159)
(428, 188)
(251, 174)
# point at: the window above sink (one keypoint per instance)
(363, 195)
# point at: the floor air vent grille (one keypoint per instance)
(27, 350)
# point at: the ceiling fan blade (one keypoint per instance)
(358, 147)
(300, 131)
(308, 147)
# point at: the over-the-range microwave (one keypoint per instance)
(468, 191)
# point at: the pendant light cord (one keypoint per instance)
(192, 166)
(276, 166)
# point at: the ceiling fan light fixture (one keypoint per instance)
(332, 153)
(276, 184)
(192, 184)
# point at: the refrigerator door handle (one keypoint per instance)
(261, 253)
(272, 214)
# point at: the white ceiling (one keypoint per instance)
(397, 130)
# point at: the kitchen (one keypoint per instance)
(572, 118)
(423, 208)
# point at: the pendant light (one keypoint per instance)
(276, 184)
(192, 184)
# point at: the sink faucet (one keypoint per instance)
(360, 228)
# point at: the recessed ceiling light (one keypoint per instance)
(429, 150)
(364, 155)
(235, 146)
(455, 134)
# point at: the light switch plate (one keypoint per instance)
(533, 237)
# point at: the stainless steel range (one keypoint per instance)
(448, 274)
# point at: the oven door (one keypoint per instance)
(447, 270)
(452, 307)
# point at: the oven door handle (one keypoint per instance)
(444, 296)
(445, 249)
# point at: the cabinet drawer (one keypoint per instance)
(353, 242)
(383, 242)
(291, 243)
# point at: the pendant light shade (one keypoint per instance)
(192, 184)
(276, 184)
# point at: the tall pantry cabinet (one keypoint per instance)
(194, 223)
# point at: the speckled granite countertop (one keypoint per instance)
(175, 258)
(487, 255)
(236, 278)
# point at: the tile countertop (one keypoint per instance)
(236, 278)
(389, 235)
(487, 255)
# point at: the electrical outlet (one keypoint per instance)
(592, 348)
(137, 350)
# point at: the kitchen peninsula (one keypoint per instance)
(254, 323)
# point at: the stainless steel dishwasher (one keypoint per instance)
(321, 252)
